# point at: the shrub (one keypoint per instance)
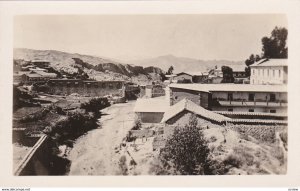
(240, 156)
(186, 152)
(283, 136)
(95, 105)
(123, 166)
(278, 153)
(213, 139)
(71, 128)
(137, 124)
(233, 160)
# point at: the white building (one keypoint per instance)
(269, 71)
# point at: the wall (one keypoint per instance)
(246, 109)
(158, 91)
(150, 117)
(268, 75)
(36, 160)
(259, 96)
(260, 132)
(176, 95)
(86, 88)
(145, 133)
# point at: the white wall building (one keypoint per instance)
(269, 71)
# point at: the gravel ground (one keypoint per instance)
(95, 153)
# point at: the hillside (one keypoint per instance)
(96, 67)
(182, 64)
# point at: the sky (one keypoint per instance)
(134, 37)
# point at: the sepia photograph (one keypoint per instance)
(189, 94)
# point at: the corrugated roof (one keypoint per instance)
(271, 62)
(188, 105)
(151, 105)
(231, 87)
(252, 113)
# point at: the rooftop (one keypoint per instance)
(271, 62)
(45, 61)
(188, 105)
(238, 68)
(158, 104)
(231, 87)
(31, 75)
(184, 73)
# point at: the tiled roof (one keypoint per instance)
(151, 105)
(252, 113)
(231, 87)
(259, 121)
(188, 105)
(271, 62)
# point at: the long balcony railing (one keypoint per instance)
(276, 103)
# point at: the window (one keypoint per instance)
(268, 72)
(272, 110)
(272, 97)
(251, 110)
(230, 109)
(279, 73)
(119, 85)
(103, 85)
(251, 97)
(230, 97)
(273, 73)
(253, 71)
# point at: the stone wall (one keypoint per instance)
(265, 133)
(86, 88)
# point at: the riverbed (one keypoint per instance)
(96, 153)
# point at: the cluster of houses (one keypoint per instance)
(213, 76)
(37, 71)
(263, 101)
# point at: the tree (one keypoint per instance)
(170, 70)
(95, 104)
(227, 74)
(275, 45)
(251, 60)
(186, 152)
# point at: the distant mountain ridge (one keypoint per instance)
(96, 67)
(182, 64)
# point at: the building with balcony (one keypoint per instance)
(269, 71)
(233, 97)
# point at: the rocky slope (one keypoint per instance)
(96, 67)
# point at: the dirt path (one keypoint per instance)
(94, 153)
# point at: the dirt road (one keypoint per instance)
(94, 153)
